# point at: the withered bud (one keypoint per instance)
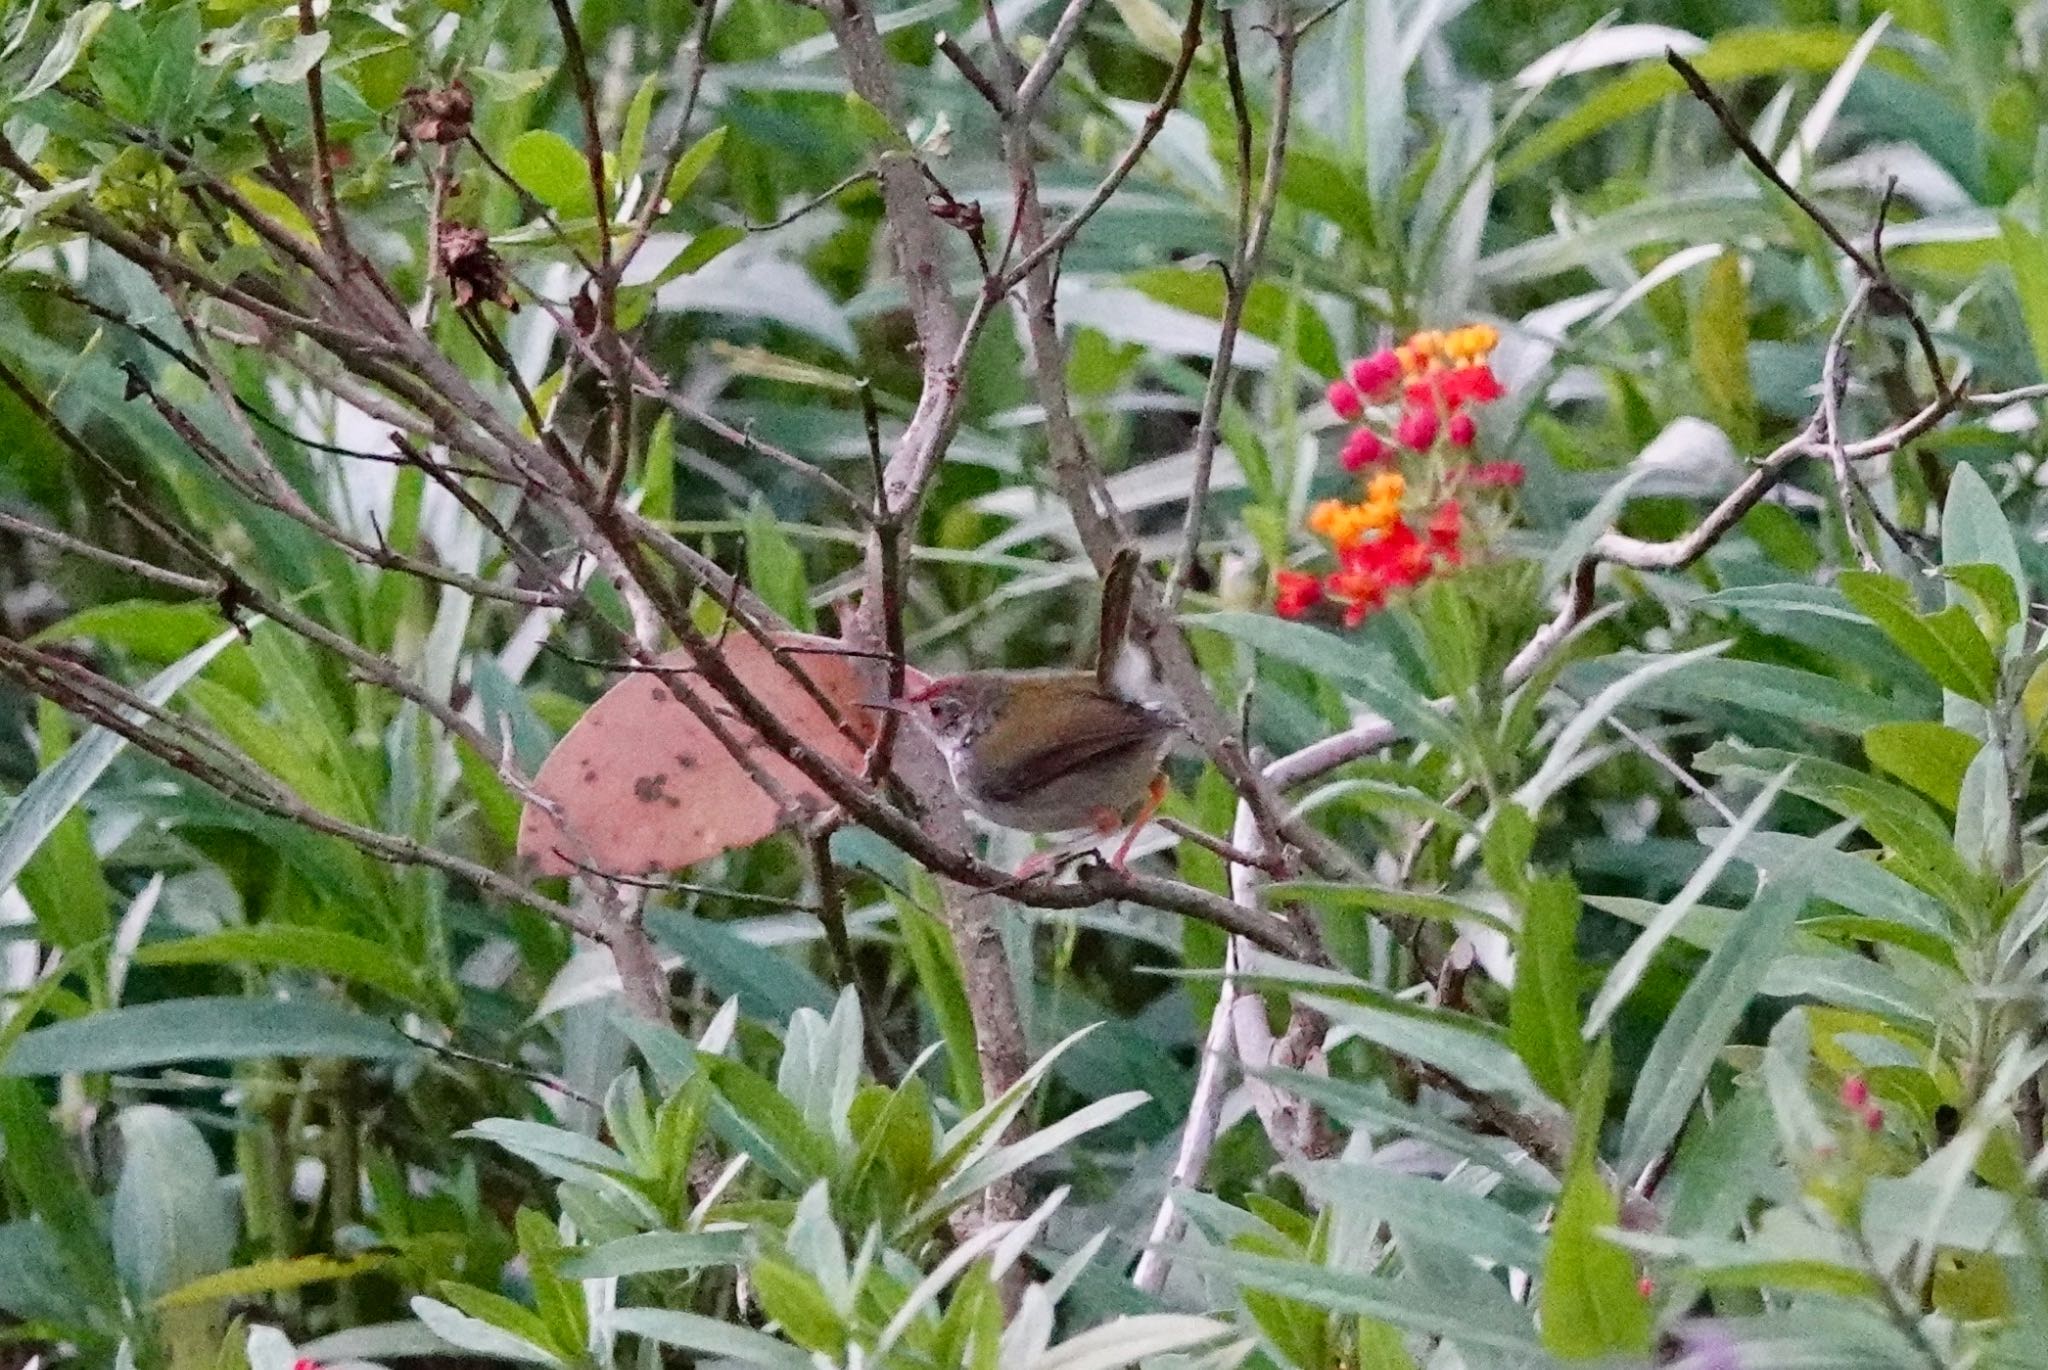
(475, 273)
(439, 116)
(964, 215)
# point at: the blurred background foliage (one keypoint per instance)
(215, 1109)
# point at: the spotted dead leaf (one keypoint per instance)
(643, 786)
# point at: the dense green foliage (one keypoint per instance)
(1693, 1009)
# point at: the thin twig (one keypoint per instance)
(1885, 293)
(1245, 261)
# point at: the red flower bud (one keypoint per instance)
(1855, 1092)
(1417, 429)
(1461, 430)
(1471, 385)
(1375, 375)
(1506, 474)
(1873, 1118)
(1345, 401)
(1298, 592)
(1362, 449)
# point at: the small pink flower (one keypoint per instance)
(1417, 429)
(1362, 449)
(1345, 401)
(1461, 430)
(1855, 1092)
(1375, 375)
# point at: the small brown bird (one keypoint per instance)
(1058, 750)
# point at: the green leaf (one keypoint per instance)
(1354, 667)
(1998, 600)
(647, 1252)
(171, 1220)
(702, 249)
(1782, 691)
(485, 1336)
(711, 1336)
(1732, 56)
(63, 882)
(1675, 1071)
(792, 1298)
(692, 164)
(1720, 348)
(1392, 1301)
(270, 1277)
(1267, 312)
(1948, 645)
(873, 125)
(1476, 1226)
(1372, 1107)
(1931, 757)
(1151, 27)
(1506, 848)
(2027, 257)
(1590, 1304)
(1975, 532)
(52, 794)
(1543, 1005)
(775, 568)
(768, 1127)
(943, 991)
(225, 1029)
(63, 54)
(327, 951)
(552, 171)
(1131, 1340)
(770, 985)
(1457, 1043)
(633, 136)
(37, 1161)
(1629, 969)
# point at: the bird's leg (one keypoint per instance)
(1154, 797)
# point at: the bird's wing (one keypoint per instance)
(1107, 725)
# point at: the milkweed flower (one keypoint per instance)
(1345, 401)
(1413, 431)
(1298, 593)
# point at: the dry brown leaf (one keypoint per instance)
(642, 786)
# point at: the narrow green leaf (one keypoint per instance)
(1948, 645)
(1720, 347)
(1543, 1005)
(270, 1277)
(225, 1029)
(52, 794)
(770, 986)
(284, 945)
(2027, 257)
(1629, 969)
(1931, 757)
(1589, 1301)
(1675, 1071)
(552, 171)
(711, 1336)
(648, 1252)
(693, 163)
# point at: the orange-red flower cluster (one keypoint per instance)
(1412, 405)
